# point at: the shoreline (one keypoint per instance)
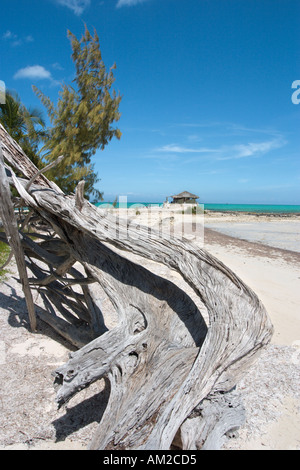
(201, 207)
(177, 209)
(282, 232)
(212, 236)
(275, 230)
(272, 273)
(256, 214)
(271, 388)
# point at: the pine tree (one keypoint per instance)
(82, 121)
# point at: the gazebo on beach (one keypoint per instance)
(185, 198)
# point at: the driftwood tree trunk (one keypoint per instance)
(171, 372)
(13, 236)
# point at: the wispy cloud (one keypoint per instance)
(37, 72)
(194, 138)
(129, 3)
(173, 148)
(223, 152)
(77, 6)
(14, 40)
(29, 38)
(252, 149)
(238, 129)
(224, 128)
(8, 35)
(57, 66)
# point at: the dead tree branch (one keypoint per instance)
(165, 363)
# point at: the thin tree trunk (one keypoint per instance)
(11, 228)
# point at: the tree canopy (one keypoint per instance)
(82, 121)
(25, 125)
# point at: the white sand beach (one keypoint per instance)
(262, 251)
(274, 274)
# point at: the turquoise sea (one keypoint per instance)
(253, 208)
(129, 205)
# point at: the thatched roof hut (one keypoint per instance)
(185, 198)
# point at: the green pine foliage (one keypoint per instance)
(26, 126)
(82, 121)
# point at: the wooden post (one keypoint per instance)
(11, 228)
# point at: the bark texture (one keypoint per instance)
(171, 372)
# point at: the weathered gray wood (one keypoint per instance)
(216, 418)
(15, 157)
(60, 271)
(43, 170)
(79, 195)
(78, 337)
(162, 359)
(98, 326)
(226, 329)
(11, 229)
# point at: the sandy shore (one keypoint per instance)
(271, 391)
(272, 399)
(273, 273)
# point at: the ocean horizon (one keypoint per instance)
(253, 208)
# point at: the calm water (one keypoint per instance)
(255, 208)
(129, 204)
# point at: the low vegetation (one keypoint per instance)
(4, 253)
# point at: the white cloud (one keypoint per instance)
(173, 148)
(252, 149)
(33, 71)
(224, 152)
(8, 35)
(77, 6)
(129, 3)
(14, 40)
(17, 42)
(57, 66)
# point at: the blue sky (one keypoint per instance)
(206, 85)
